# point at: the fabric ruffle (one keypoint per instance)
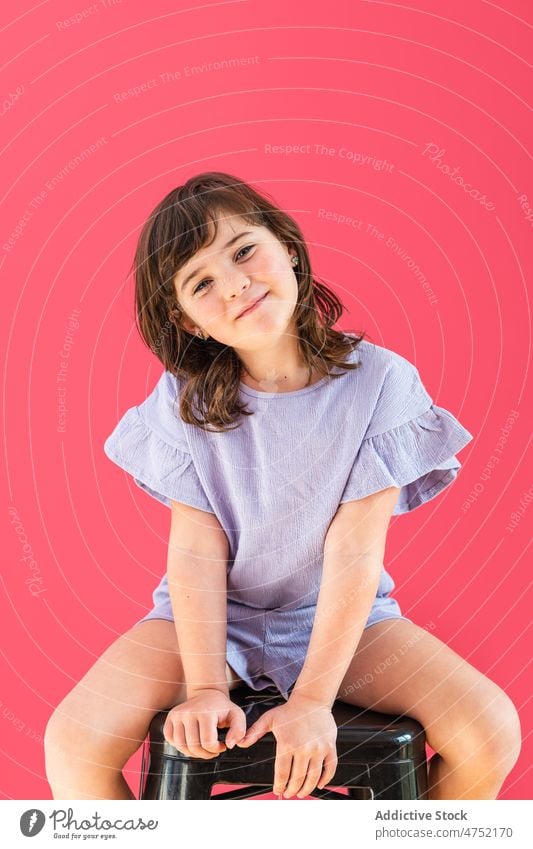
(160, 469)
(418, 456)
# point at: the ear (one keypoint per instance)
(187, 325)
(179, 316)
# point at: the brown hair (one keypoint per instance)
(175, 230)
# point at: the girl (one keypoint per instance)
(282, 447)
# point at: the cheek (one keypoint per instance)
(283, 277)
(291, 288)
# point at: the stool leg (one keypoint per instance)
(179, 778)
(395, 781)
(359, 793)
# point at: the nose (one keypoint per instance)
(234, 284)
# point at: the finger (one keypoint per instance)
(181, 742)
(168, 732)
(282, 771)
(300, 765)
(314, 771)
(329, 769)
(192, 736)
(237, 729)
(175, 734)
(253, 734)
(209, 734)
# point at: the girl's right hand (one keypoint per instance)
(192, 726)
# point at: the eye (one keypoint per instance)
(199, 288)
(247, 248)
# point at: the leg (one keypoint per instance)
(470, 723)
(101, 723)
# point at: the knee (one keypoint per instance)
(62, 737)
(72, 743)
(56, 746)
(495, 736)
(56, 731)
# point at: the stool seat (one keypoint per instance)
(379, 757)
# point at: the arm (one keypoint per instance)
(304, 727)
(196, 567)
(353, 555)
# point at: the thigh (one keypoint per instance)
(401, 668)
(110, 709)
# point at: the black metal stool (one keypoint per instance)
(379, 757)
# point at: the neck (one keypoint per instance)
(280, 382)
(279, 367)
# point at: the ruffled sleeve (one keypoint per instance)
(410, 442)
(148, 443)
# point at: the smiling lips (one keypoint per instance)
(253, 306)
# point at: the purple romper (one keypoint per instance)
(276, 481)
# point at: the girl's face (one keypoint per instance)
(244, 263)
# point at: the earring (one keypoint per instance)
(200, 333)
(294, 260)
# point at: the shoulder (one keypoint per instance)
(381, 361)
(160, 411)
(382, 368)
(150, 442)
(158, 414)
(392, 385)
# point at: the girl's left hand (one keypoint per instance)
(306, 754)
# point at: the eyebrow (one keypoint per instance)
(227, 245)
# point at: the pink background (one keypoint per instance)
(371, 79)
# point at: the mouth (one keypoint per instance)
(253, 306)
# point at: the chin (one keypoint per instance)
(269, 325)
